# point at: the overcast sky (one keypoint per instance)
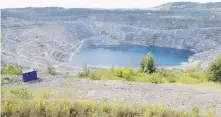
(90, 3)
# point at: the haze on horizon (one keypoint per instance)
(91, 3)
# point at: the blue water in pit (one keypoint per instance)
(129, 55)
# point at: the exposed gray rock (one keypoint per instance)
(52, 35)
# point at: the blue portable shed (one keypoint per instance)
(29, 74)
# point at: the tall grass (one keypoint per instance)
(64, 108)
(17, 102)
(160, 76)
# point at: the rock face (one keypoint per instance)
(41, 36)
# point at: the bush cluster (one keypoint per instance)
(159, 76)
(125, 73)
(114, 73)
(214, 70)
(86, 71)
(13, 69)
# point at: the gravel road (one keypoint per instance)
(177, 97)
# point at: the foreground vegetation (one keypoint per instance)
(18, 102)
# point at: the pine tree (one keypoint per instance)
(149, 63)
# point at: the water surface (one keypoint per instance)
(129, 55)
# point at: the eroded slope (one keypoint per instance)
(39, 37)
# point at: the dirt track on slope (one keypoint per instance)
(177, 97)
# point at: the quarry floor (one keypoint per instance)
(175, 97)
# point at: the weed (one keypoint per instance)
(51, 70)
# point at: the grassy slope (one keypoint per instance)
(19, 102)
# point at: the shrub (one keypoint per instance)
(214, 70)
(168, 76)
(11, 69)
(155, 78)
(86, 71)
(149, 63)
(96, 75)
(118, 72)
(172, 80)
(51, 70)
(125, 73)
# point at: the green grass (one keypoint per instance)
(160, 76)
(18, 102)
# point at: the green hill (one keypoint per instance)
(189, 6)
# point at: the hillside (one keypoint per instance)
(189, 6)
(49, 36)
(171, 97)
